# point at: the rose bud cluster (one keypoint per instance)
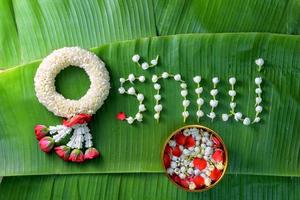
(51, 138)
(194, 158)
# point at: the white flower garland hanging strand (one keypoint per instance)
(145, 65)
(131, 91)
(200, 101)
(213, 102)
(158, 107)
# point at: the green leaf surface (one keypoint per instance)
(31, 29)
(268, 148)
(144, 186)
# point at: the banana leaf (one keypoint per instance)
(144, 186)
(31, 29)
(267, 148)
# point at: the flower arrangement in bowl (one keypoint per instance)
(195, 158)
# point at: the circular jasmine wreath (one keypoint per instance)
(77, 112)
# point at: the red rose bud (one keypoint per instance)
(76, 156)
(176, 151)
(46, 144)
(121, 116)
(167, 160)
(190, 142)
(63, 152)
(218, 155)
(216, 141)
(199, 181)
(40, 131)
(78, 119)
(215, 174)
(91, 153)
(200, 163)
(180, 139)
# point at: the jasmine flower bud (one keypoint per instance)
(258, 91)
(232, 93)
(185, 103)
(258, 100)
(158, 108)
(259, 62)
(156, 116)
(183, 85)
(142, 108)
(154, 78)
(142, 79)
(258, 80)
(157, 97)
(136, 58)
(121, 90)
(130, 120)
(256, 120)
(225, 117)
(165, 75)
(232, 105)
(131, 91)
(170, 171)
(185, 114)
(215, 80)
(139, 117)
(122, 80)
(199, 90)
(214, 92)
(140, 97)
(258, 109)
(131, 77)
(232, 80)
(153, 62)
(184, 93)
(157, 86)
(212, 115)
(145, 66)
(246, 121)
(200, 101)
(197, 79)
(213, 103)
(177, 77)
(200, 113)
(238, 116)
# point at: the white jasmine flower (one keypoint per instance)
(258, 109)
(142, 79)
(157, 86)
(139, 117)
(197, 172)
(140, 97)
(259, 62)
(232, 105)
(246, 121)
(258, 91)
(176, 171)
(172, 143)
(215, 80)
(232, 80)
(219, 166)
(185, 103)
(153, 62)
(213, 103)
(154, 78)
(165, 75)
(199, 90)
(130, 120)
(142, 108)
(232, 93)
(238, 116)
(145, 66)
(173, 165)
(192, 186)
(156, 116)
(131, 91)
(183, 169)
(256, 120)
(185, 114)
(258, 100)
(122, 80)
(157, 97)
(182, 176)
(184, 93)
(170, 171)
(212, 115)
(177, 77)
(200, 101)
(190, 170)
(136, 58)
(197, 79)
(131, 77)
(214, 92)
(258, 80)
(225, 117)
(200, 113)
(183, 85)
(158, 108)
(207, 181)
(186, 152)
(121, 90)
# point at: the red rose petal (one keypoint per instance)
(199, 181)
(190, 141)
(176, 151)
(215, 174)
(180, 139)
(176, 178)
(184, 183)
(121, 116)
(200, 163)
(168, 149)
(218, 155)
(216, 141)
(167, 160)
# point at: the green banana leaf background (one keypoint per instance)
(264, 159)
